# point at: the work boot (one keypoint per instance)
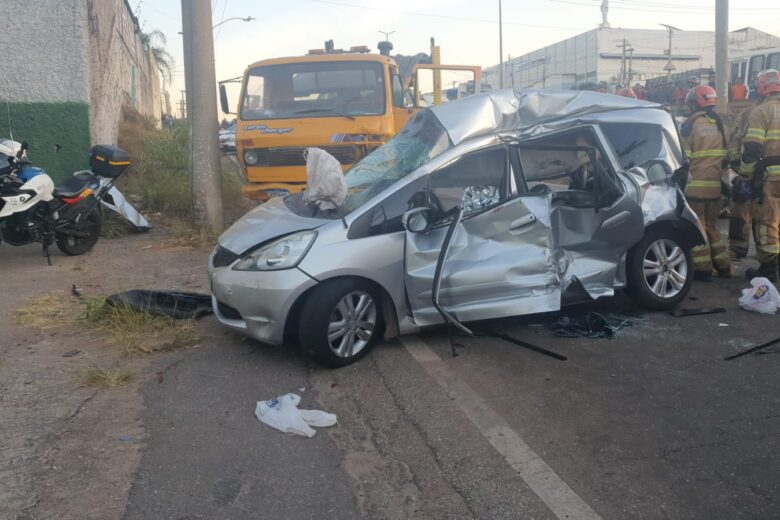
(724, 272)
(702, 276)
(768, 270)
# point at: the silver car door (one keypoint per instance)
(500, 263)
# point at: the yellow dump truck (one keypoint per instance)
(347, 102)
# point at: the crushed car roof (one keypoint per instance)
(510, 110)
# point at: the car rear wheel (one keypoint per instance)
(660, 270)
(340, 321)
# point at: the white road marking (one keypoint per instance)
(549, 487)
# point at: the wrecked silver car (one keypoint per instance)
(504, 203)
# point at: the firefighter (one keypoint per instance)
(706, 147)
(741, 207)
(761, 165)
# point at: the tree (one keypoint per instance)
(155, 42)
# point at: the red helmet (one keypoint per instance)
(768, 81)
(702, 96)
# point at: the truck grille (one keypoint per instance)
(293, 156)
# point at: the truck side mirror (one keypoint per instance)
(223, 99)
(417, 220)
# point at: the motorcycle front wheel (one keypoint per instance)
(79, 237)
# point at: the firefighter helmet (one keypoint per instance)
(768, 81)
(701, 97)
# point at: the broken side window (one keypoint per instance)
(635, 144)
(477, 181)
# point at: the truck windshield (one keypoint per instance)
(422, 139)
(315, 89)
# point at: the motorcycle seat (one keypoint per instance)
(73, 186)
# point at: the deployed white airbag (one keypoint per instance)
(325, 185)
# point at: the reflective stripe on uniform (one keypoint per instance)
(716, 152)
(773, 135)
(773, 170)
(755, 134)
(687, 153)
(703, 184)
(747, 169)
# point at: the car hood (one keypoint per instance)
(265, 222)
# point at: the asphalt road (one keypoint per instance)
(651, 424)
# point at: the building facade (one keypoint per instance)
(617, 55)
(70, 65)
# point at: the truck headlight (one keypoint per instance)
(250, 157)
(283, 253)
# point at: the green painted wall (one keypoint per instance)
(43, 125)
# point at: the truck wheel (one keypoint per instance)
(340, 321)
(660, 270)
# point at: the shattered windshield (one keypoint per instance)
(422, 139)
(319, 89)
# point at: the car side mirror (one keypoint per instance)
(658, 172)
(417, 220)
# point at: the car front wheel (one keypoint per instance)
(660, 270)
(340, 321)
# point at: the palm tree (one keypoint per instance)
(155, 42)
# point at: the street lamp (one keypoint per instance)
(669, 65)
(247, 19)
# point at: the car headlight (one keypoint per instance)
(284, 253)
(250, 157)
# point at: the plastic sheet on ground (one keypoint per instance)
(762, 296)
(592, 325)
(283, 414)
(175, 304)
(325, 186)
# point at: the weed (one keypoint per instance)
(138, 331)
(45, 311)
(105, 379)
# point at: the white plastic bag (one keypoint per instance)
(325, 186)
(761, 297)
(283, 414)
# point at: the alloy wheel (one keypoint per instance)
(665, 268)
(352, 324)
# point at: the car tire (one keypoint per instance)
(340, 321)
(660, 283)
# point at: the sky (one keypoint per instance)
(466, 30)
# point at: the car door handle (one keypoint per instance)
(523, 221)
(616, 220)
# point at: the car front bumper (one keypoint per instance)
(257, 303)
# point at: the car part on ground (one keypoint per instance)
(174, 304)
(684, 313)
(757, 349)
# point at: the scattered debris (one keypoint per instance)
(125, 438)
(283, 414)
(175, 304)
(757, 349)
(723, 324)
(593, 325)
(762, 297)
(520, 343)
(76, 291)
(683, 313)
(71, 353)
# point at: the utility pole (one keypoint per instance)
(183, 104)
(624, 46)
(669, 65)
(500, 48)
(722, 54)
(201, 82)
(630, 66)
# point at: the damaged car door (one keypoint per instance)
(499, 262)
(594, 221)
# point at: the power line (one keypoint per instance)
(221, 17)
(443, 16)
(670, 8)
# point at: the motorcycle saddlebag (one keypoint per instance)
(108, 161)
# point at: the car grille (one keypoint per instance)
(223, 257)
(293, 156)
(228, 312)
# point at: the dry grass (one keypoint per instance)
(138, 331)
(106, 379)
(46, 311)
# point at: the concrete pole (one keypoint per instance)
(202, 113)
(722, 54)
(500, 48)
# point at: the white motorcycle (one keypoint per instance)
(33, 209)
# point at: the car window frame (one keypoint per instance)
(602, 146)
